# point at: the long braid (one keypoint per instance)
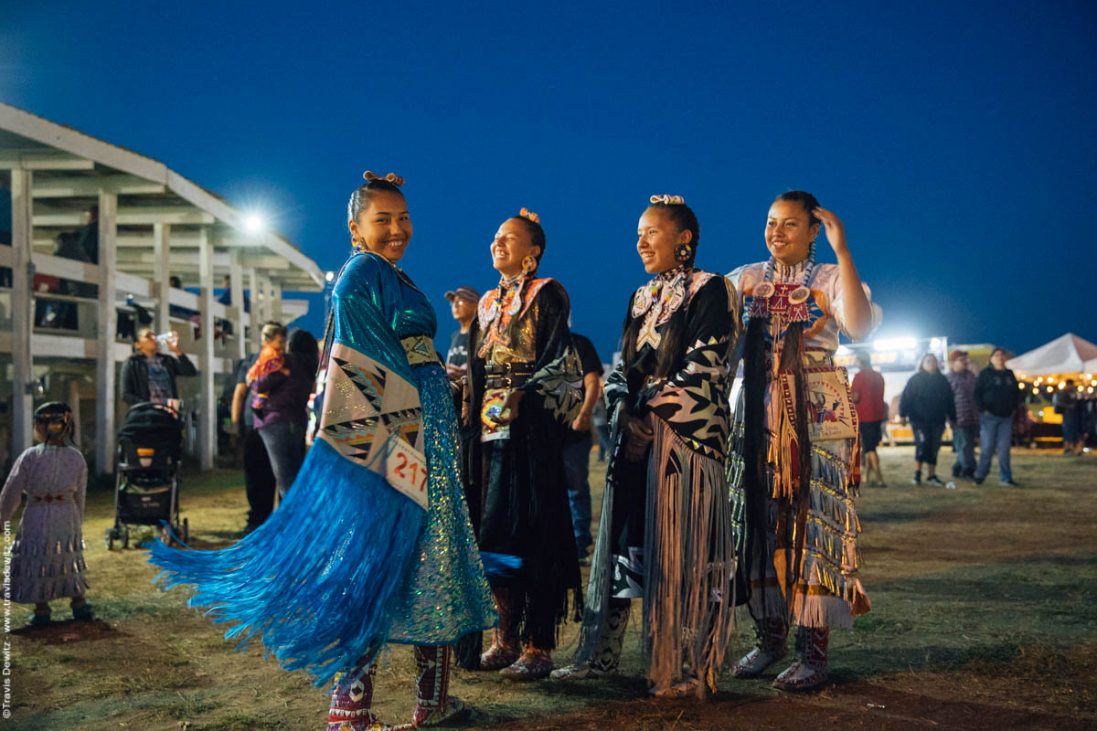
(755, 478)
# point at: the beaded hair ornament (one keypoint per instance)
(369, 176)
(393, 178)
(668, 200)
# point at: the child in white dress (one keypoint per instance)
(47, 558)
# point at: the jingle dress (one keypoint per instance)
(47, 556)
(373, 544)
(520, 340)
(665, 534)
(795, 464)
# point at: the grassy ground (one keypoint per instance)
(984, 616)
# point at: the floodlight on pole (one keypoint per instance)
(254, 223)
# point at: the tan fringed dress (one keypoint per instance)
(800, 552)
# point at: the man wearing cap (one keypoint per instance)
(462, 302)
(965, 430)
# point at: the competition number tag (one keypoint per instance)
(406, 470)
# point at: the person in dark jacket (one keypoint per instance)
(965, 430)
(927, 402)
(1066, 403)
(149, 375)
(997, 397)
(284, 391)
(259, 481)
(578, 443)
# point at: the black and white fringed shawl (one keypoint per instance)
(689, 553)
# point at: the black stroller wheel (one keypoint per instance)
(125, 536)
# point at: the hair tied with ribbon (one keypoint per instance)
(392, 178)
(528, 214)
(668, 200)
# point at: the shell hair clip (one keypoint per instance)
(393, 178)
(527, 213)
(668, 200)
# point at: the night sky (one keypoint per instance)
(956, 140)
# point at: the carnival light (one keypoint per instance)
(329, 277)
(907, 343)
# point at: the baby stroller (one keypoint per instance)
(146, 490)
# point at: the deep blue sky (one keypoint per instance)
(956, 140)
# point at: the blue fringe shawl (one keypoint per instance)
(313, 584)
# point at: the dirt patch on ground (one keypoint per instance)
(858, 706)
(61, 633)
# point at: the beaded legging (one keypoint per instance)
(352, 697)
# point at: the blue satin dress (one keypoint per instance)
(357, 556)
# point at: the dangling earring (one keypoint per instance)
(683, 253)
(356, 245)
(529, 264)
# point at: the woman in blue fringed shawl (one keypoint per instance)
(373, 544)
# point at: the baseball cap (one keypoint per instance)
(466, 293)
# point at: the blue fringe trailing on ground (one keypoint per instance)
(313, 582)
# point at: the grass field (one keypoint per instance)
(984, 617)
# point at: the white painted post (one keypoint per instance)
(236, 313)
(276, 302)
(161, 287)
(264, 291)
(22, 309)
(207, 403)
(106, 327)
(257, 318)
(77, 417)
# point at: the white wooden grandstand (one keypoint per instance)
(153, 224)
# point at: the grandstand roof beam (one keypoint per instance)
(89, 187)
(128, 216)
(42, 160)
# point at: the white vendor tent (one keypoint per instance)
(1066, 354)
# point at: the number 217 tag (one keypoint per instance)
(406, 470)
